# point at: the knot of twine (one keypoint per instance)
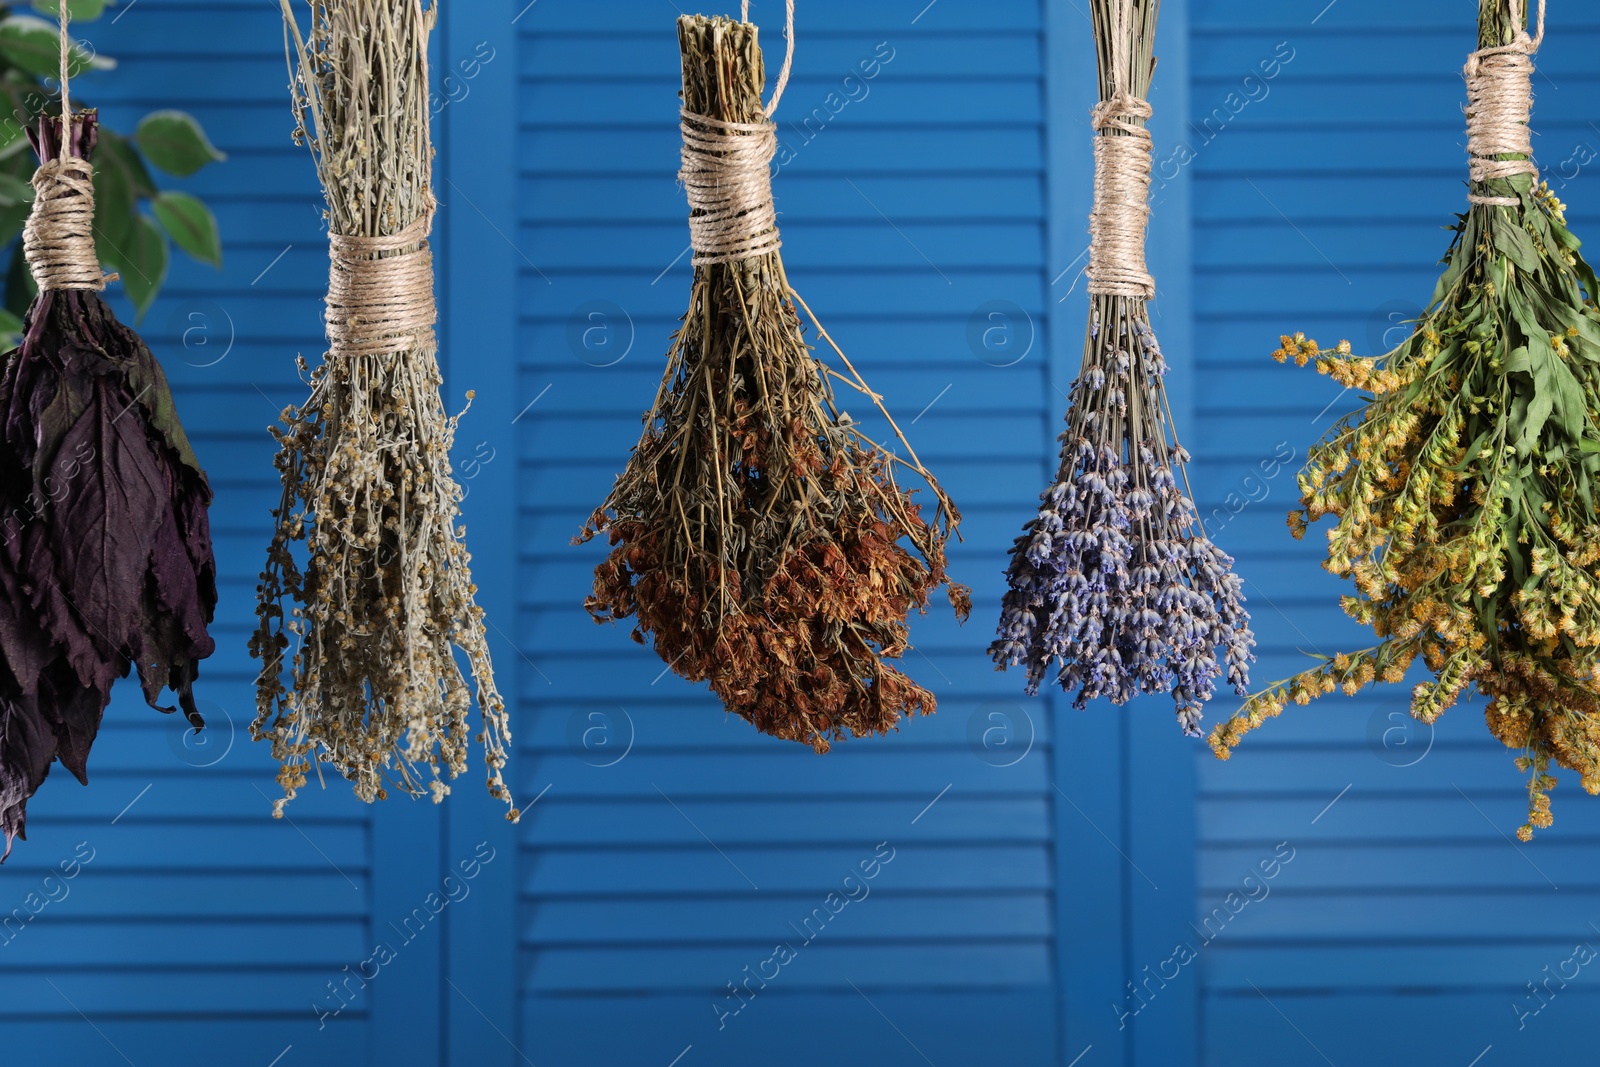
(1499, 106)
(58, 238)
(380, 290)
(1122, 154)
(727, 174)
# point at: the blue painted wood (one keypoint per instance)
(480, 54)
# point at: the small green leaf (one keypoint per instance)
(114, 214)
(1588, 338)
(174, 142)
(14, 191)
(190, 224)
(1514, 242)
(116, 150)
(11, 220)
(146, 268)
(77, 10)
(20, 286)
(35, 45)
(10, 329)
(1564, 237)
(13, 137)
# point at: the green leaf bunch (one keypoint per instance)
(1464, 491)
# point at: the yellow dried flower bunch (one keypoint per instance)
(1463, 494)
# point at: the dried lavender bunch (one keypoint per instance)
(1114, 580)
(757, 533)
(383, 596)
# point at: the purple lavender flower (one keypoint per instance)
(1114, 584)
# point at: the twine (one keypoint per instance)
(378, 303)
(1499, 106)
(727, 174)
(788, 54)
(1122, 152)
(58, 238)
(1122, 160)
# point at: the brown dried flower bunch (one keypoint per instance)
(381, 595)
(756, 532)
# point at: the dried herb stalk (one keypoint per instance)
(367, 618)
(105, 543)
(1464, 486)
(1114, 585)
(759, 538)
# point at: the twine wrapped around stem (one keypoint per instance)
(1122, 163)
(380, 291)
(58, 236)
(1499, 105)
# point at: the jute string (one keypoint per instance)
(380, 291)
(727, 176)
(1122, 159)
(1121, 199)
(58, 238)
(788, 53)
(1499, 105)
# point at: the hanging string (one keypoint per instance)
(788, 56)
(58, 238)
(1122, 164)
(1499, 106)
(66, 63)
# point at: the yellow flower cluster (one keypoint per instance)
(1463, 492)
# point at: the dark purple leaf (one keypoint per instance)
(105, 545)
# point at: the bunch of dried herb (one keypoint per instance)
(381, 596)
(1114, 583)
(757, 533)
(105, 544)
(1464, 486)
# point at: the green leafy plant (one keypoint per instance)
(1465, 485)
(136, 220)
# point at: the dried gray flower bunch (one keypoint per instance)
(370, 613)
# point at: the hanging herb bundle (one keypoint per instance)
(105, 554)
(383, 596)
(1464, 487)
(1114, 583)
(757, 533)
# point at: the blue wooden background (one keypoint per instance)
(1059, 888)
